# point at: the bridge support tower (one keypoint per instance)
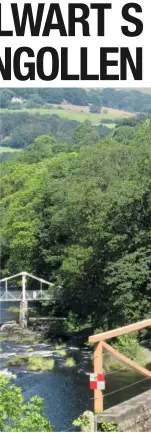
(23, 314)
(23, 304)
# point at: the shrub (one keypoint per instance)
(128, 345)
(3, 339)
(60, 346)
(85, 422)
(16, 415)
(29, 340)
(61, 352)
(70, 362)
(32, 363)
(72, 323)
(17, 361)
(14, 310)
(38, 363)
(107, 426)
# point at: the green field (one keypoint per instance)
(7, 149)
(109, 125)
(95, 118)
(146, 90)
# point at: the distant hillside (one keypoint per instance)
(133, 101)
(145, 90)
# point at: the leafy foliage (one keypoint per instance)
(129, 346)
(20, 129)
(17, 415)
(82, 422)
(82, 218)
(70, 362)
(107, 426)
(32, 363)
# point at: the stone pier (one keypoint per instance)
(23, 315)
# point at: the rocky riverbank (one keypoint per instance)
(57, 346)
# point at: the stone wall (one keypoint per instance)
(132, 415)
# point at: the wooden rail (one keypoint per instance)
(100, 344)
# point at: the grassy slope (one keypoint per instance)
(7, 149)
(146, 90)
(95, 118)
(109, 125)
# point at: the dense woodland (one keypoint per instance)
(19, 129)
(130, 100)
(76, 209)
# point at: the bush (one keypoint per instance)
(17, 361)
(32, 363)
(95, 108)
(38, 363)
(107, 426)
(61, 352)
(60, 346)
(70, 362)
(16, 415)
(14, 310)
(128, 345)
(29, 339)
(72, 323)
(2, 339)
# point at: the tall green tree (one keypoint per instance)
(83, 220)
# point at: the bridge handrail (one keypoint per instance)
(120, 331)
(100, 344)
(29, 295)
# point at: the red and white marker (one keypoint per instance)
(97, 381)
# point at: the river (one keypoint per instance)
(5, 315)
(65, 390)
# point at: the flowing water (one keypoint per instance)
(65, 390)
(5, 315)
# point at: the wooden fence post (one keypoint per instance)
(98, 368)
(98, 340)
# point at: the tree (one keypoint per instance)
(95, 108)
(6, 96)
(83, 220)
(85, 135)
(124, 134)
(16, 415)
(76, 96)
(20, 129)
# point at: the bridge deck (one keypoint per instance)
(30, 295)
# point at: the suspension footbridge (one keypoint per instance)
(22, 293)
